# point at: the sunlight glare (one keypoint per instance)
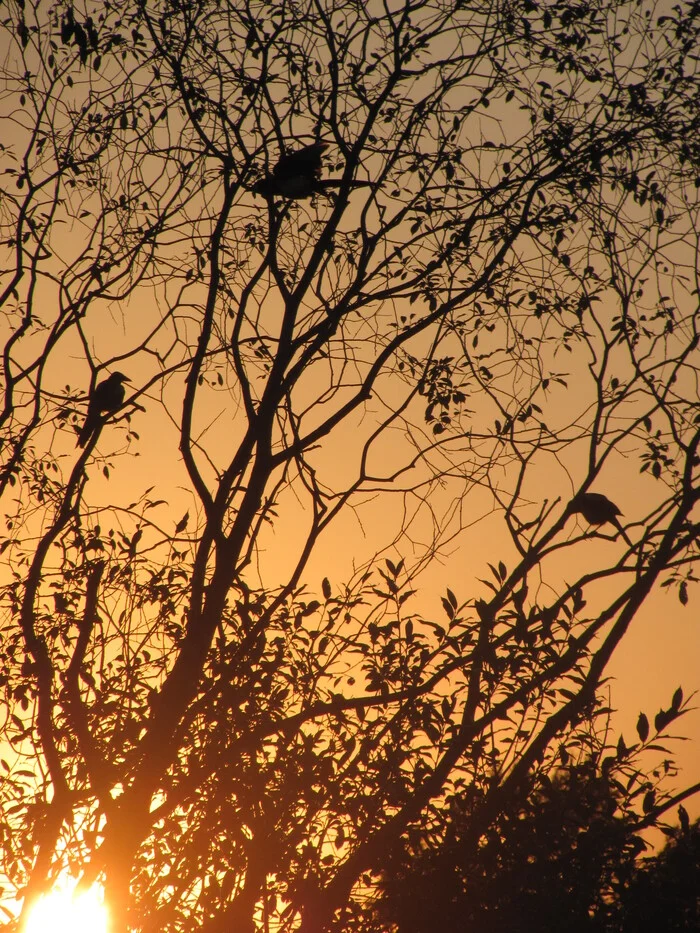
(64, 910)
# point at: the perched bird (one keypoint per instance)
(298, 175)
(597, 509)
(107, 397)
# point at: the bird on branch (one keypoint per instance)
(597, 509)
(107, 398)
(298, 175)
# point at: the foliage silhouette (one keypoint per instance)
(546, 863)
(566, 856)
(662, 893)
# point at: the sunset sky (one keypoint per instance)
(492, 306)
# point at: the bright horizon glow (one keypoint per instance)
(64, 911)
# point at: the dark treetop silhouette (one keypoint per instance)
(107, 398)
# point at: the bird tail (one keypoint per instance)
(618, 525)
(330, 183)
(86, 432)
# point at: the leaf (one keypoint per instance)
(643, 727)
(482, 609)
(607, 764)
(677, 699)
(438, 629)
(449, 608)
(662, 719)
(432, 731)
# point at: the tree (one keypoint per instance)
(562, 855)
(502, 318)
(662, 893)
(543, 865)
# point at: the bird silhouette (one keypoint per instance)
(297, 175)
(107, 397)
(597, 509)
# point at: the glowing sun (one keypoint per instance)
(66, 911)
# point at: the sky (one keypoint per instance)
(147, 334)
